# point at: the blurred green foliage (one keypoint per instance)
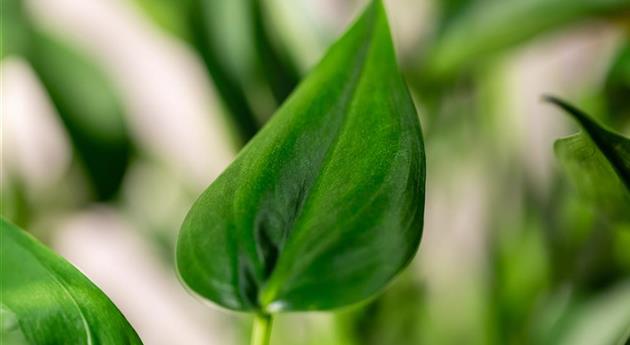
(617, 88)
(556, 262)
(88, 106)
(476, 31)
(251, 72)
(598, 160)
(87, 103)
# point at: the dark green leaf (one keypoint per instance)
(206, 38)
(450, 11)
(325, 205)
(45, 300)
(86, 101)
(617, 88)
(239, 54)
(598, 161)
(241, 58)
(277, 68)
(89, 108)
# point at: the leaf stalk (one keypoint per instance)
(261, 332)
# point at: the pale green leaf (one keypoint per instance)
(46, 301)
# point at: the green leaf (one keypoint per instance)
(241, 58)
(223, 61)
(45, 300)
(602, 319)
(13, 32)
(371, 323)
(168, 14)
(325, 205)
(451, 10)
(89, 107)
(279, 71)
(85, 99)
(489, 27)
(598, 162)
(250, 70)
(617, 88)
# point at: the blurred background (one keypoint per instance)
(116, 114)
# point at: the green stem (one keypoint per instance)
(262, 329)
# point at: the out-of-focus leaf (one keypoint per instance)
(169, 14)
(205, 37)
(85, 100)
(45, 300)
(251, 72)
(522, 276)
(621, 243)
(13, 199)
(451, 10)
(277, 68)
(242, 59)
(601, 320)
(89, 109)
(598, 162)
(582, 243)
(617, 88)
(325, 205)
(396, 317)
(488, 27)
(13, 32)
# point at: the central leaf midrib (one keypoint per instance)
(340, 112)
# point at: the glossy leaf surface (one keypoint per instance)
(45, 300)
(598, 162)
(325, 205)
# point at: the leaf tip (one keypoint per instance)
(547, 98)
(576, 113)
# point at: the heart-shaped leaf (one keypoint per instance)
(45, 300)
(598, 162)
(325, 205)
